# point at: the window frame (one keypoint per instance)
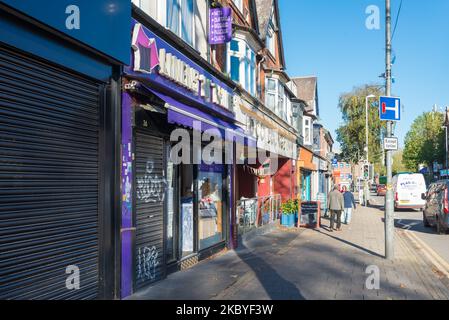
(308, 127)
(180, 32)
(270, 39)
(239, 5)
(247, 65)
(281, 98)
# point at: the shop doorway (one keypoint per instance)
(306, 179)
(186, 216)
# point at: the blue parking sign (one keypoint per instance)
(390, 109)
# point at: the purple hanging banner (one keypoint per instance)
(220, 25)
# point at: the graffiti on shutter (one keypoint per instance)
(151, 187)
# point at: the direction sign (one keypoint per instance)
(391, 144)
(390, 109)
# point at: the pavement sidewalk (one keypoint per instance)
(309, 264)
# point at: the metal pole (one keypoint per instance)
(366, 190)
(389, 207)
(447, 160)
(366, 129)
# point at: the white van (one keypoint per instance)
(408, 189)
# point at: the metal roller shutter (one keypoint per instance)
(150, 196)
(49, 180)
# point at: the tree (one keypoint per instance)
(424, 143)
(398, 162)
(351, 134)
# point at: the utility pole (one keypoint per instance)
(389, 207)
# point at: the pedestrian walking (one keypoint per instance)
(349, 204)
(361, 196)
(335, 202)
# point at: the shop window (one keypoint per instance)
(210, 206)
(187, 210)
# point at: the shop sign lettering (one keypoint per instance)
(149, 59)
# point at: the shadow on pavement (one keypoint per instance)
(351, 244)
(276, 287)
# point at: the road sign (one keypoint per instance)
(391, 144)
(390, 109)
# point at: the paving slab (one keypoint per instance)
(309, 264)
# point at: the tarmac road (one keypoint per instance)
(412, 221)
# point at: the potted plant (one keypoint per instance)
(288, 214)
(296, 210)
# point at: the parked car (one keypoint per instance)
(381, 190)
(373, 187)
(436, 210)
(408, 189)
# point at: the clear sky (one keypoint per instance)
(328, 38)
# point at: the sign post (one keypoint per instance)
(390, 109)
(391, 144)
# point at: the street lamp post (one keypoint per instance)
(367, 144)
(445, 129)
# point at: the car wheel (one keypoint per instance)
(425, 221)
(440, 228)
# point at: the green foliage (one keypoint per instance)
(398, 163)
(289, 207)
(424, 143)
(351, 135)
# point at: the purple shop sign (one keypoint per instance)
(220, 25)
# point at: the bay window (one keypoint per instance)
(239, 4)
(270, 39)
(307, 131)
(242, 65)
(180, 19)
(276, 98)
(176, 15)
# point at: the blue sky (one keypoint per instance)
(329, 39)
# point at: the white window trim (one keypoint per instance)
(271, 40)
(163, 21)
(285, 111)
(304, 128)
(239, 5)
(242, 56)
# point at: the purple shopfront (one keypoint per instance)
(176, 205)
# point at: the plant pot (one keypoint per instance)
(288, 220)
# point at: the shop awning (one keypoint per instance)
(184, 115)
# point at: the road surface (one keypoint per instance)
(412, 221)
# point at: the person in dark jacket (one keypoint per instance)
(349, 204)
